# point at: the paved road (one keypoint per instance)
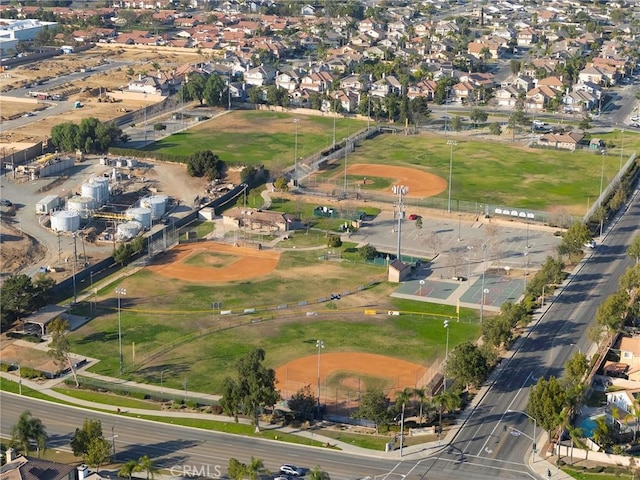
(176, 446)
(543, 352)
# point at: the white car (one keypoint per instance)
(590, 244)
(289, 469)
(635, 118)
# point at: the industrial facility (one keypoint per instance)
(119, 204)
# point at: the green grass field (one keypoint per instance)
(256, 137)
(156, 313)
(487, 171)
(484, 170)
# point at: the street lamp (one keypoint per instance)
(535, 425)
(319, 346)
(469, 249)
(346, 150)
(400, 190)
(600, 198)
(19, 379)
(451, 143)
(120, 292)
(446, 352)
(295, 153)
(621, 147)
(484, 290)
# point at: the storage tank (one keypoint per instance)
(82, 205)
(140, 214)
(128, 230)
(157, 204)
(103, 183)
(65, 221)
(91, 190)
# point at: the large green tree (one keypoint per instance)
(98, 452)
(546, 402)
(215, 91)
(128, 469)
(253, 388)
(90, 136)
(374, 406)
(20, 295)
(29, 430)
(302, 403)
(574, 238)
(467, 364)
(205, 164)
(82, 437)
(634, 249)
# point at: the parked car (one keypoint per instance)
(289, 469)
(590, 244)
(413, 216)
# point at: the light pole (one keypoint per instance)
(469, 249)
(446, 353)
(621, 147)
(19, 379)
(400, 190)
(535, 425)
(451, 143)
(113, 441)
(319, 346)
(484, 268)
(346, 149)
(600, 197)
(161, 383)
(459, 219)
(295, 153)
(120, 292)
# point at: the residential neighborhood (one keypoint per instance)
(356, 58)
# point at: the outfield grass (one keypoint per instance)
(259, 137)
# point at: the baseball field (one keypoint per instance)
(167, 317)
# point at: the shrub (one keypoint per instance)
(159, 126)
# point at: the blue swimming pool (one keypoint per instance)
(588, 425)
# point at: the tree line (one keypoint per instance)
(89, 136)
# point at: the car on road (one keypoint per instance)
(28, 114)
(414, 216)
(292, 470)
(635, 118)
(635, 125)
(590, 244)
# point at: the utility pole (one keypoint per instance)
(400, 190)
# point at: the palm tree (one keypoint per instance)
(146, 465)
(29, 429)
(403, 397)
(576, 434)
(447, 400)
(128, 469)
(255, 468)
(420, 394)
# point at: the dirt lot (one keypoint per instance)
(17, 250)
(90, 90)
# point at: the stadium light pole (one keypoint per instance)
(400, 190)
(446, 353)
(600, 197)
(295, 153)
(451, 143)
(484, 269)
(120, 292)
(319, 346)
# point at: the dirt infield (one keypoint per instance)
(421, 184)
(346, 375)
(247, 264)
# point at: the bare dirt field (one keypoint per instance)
(89, 90)
(351, 371)
(248, 263)
(17, 250)
(421, 184)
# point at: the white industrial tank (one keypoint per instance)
(91, 190)
(103, 183)
(157, 204)
(140, 214)
(65, 221)
(128, 230)
(82, 205)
